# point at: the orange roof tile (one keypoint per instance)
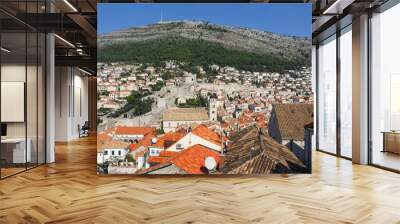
(114, 145)
(168, 153)
(165, 156)
(133, 146)
(170, 137)
(158, 159)
(146, 141)
(124, 130)
(102, 138)
(203, 132)
(159, 143)
(173, 136)
(191, 160)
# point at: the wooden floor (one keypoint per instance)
(386, 159)
(69, 191)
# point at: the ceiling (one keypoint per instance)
(330, 13)
(73, 21)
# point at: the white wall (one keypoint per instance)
(71, 102)
(33, 126)
(190, 140)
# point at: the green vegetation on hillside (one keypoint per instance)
(157, 87)
(195, 102)
(136, 103)
(197, 52)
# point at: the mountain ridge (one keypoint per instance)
(237, 38)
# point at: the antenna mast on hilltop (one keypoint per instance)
(161, 19)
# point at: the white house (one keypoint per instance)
(112, 150)
(201, 135)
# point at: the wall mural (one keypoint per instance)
(204, 89)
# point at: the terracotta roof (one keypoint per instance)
(191, 160)
(254, 152)
(167, 139)
(158, 159)
(125, 130)
(186, 114)
(113, 144)
(291, 119)
(159, 142)
(146, 141)
(207, 134)
(133, 146)
(165, 156)
(102, 138)
(168, 153)
(173, 136)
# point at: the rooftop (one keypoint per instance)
(186, 114)
(291, 119)
(113, 144)
(191, 160)
(207, 134)
(253, 152)
(124, 130)
(146, 141)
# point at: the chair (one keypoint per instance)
(84, 130)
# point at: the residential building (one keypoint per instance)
(112, 151)
(201, 135)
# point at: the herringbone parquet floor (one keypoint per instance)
(69, 191)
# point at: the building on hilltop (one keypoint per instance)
(212, 109)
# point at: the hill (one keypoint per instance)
(204, 43)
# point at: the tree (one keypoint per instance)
(129, 158)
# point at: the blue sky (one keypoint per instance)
(287, 19)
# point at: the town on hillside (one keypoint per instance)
(176, 118)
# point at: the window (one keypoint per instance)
(327, 95)
(112, 152)
(22, 69)
(385, 89)
(346, 92)
(105, 152)
(119, 152)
